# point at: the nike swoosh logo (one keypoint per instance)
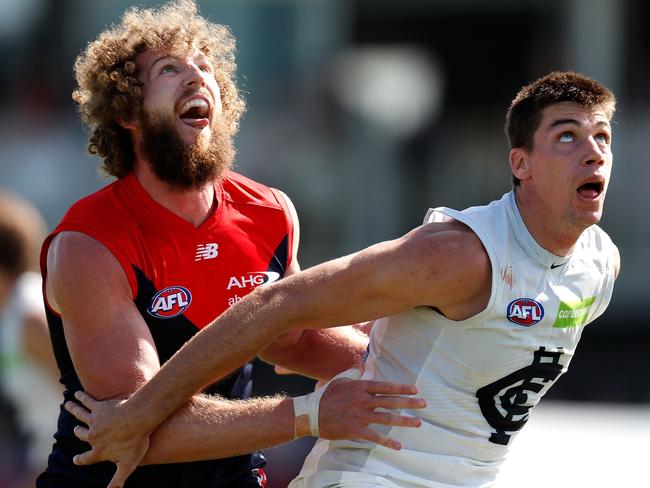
(553, 266)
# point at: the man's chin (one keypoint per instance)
(587, 219)
(204, 139)
(194, 136)
(186, 157)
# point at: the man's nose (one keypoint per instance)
(194, 75)
(595, 153)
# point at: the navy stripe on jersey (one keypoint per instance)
(168, 333)
(280, 257)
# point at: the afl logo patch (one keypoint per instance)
(525, 312)
(170, 302)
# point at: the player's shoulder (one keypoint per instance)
(79, 265)
(243, 190)
(77, 259)
(594, 242)
(451, 241)
(445, 264)
(596, 235)
(448, 230)
(597, 246)
(77, 246)
(96, 232)
(107, 208)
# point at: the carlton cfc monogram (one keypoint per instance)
(505, 403)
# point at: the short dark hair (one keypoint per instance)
(525, 112)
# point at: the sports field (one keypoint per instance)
(576, 445)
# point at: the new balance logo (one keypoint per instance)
(206, 251)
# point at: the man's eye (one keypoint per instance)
(206, 67)
(602, 138)
(566, 137)
(168, 68)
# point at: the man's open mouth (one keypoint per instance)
(592, 189)
(195, 112)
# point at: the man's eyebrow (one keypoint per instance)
(555, 123)
(575, 122)
(165, 56)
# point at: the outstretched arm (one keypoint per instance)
(442, 265)
(213, 427)
(114, 354)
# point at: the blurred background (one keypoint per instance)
(367, 112)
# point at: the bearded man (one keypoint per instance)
(134, 270)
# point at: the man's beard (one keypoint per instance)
(184, 167)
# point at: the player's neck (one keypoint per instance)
(194, 205)
(549, 232)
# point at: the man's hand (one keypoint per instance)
(347, 408)
(111, 436)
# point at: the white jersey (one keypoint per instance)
(480, 376)
(32, 390)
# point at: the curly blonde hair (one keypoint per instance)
(106, 73)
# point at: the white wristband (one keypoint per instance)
(309, 404)
(299, 409)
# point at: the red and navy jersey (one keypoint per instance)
(181, 277)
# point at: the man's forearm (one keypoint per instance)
(211, 428)
(319, 354)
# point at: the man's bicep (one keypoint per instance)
(109, 342)
(438, 265)
(357, 288)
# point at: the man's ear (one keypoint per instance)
(127, 124)
(519, 163)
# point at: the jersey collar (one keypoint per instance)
(525, 239)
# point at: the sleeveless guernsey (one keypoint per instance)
(480, 376)
(181, 279)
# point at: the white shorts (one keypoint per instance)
(349, 480)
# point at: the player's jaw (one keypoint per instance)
(181, 158)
